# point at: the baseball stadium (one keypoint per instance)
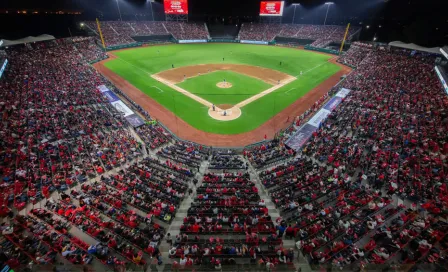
(194, 135)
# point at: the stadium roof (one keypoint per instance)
(29, 39)
(413, 46)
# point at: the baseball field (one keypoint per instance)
(222, 88)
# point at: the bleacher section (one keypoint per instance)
(322, 34)
(121, 32)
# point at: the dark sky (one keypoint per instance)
(423, 22)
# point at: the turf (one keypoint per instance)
(136, 65)
(242, 88)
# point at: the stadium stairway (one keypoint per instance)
(300, 261)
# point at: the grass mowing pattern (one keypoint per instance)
(136, 65)
(242, 88)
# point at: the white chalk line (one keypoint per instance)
(290, 90)
(138, 68)
(309, 70)
(158, 89)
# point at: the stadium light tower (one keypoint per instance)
(294, 16)
(152, 10)
(119, 12)
(328, 8)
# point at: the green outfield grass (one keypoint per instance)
(242, 88)
(138, 64)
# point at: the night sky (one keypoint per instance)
(421, 22)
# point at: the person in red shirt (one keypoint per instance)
(195, 228)
(112, 243)
(218, 249)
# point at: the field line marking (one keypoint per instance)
(138, 68)
(158, 89)
(183, 91)
(265, 92)
(309, 70)
(289, 90)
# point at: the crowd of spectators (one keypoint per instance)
(121, 32)
(89, 49)
(323, 34)
(321, 43)
(227, 160)
(57, 129)
(186, 153)
(229, 204)
(187, 31)
(153, 135)
(259, 32)
(355, 54)
(268, 153)
(111, 36)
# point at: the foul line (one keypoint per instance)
(309, 70)
(263, 93)
(289, 90)
(158, 89)
(138, 68)
(183, 91)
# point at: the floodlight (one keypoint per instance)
(328, 8)
(296, 4)
(82, 24)
(367, 26)
(374, 38)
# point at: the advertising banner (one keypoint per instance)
(111, 96)
(121, 107)
(301, 137)
(271, 8)
(343, 93)
(319, 117)
(253, 42)
(176, 6)
(102, 88)
(192, 41)
(135, 120)
(333, 103)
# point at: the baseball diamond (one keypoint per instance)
(261, 87)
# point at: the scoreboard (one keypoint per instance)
(176, 7)
(271, 8)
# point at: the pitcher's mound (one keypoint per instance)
(224, 85)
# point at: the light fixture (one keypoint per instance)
(374, 38)
(82, 24)
(368, 27)
(329, 3)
